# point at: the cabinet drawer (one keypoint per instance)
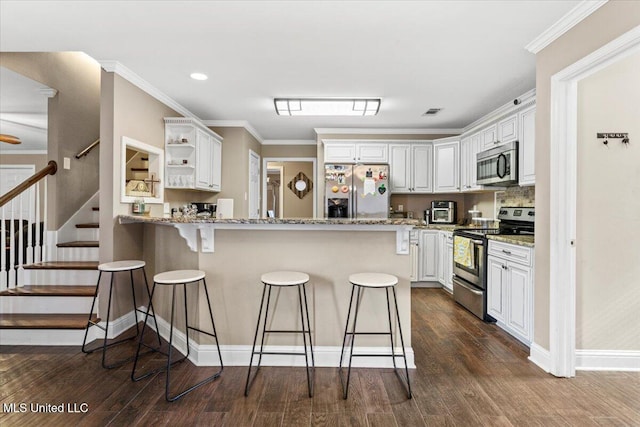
(513, 253)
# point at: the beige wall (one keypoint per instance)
(604, 25)
(289, 151)
(74, 123)
(608, 271)
(294, 207)
(235, 167)
(128, 111)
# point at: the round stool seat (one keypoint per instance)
(284, 278)
(178, 276)
(373, 280)
(121, 265)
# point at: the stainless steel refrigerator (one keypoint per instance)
(356, 191)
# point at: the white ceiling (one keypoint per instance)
(23, 111)
(466, 57)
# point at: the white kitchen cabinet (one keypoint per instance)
(508, 129)
(193, 155)
(446, 154)
(489, 137)
(356, 152)
(469, 148)
(410, 168)
(428, 256)
(510, 289)
(340, 153)
(372, 153)
(445, 259)
(527, 147)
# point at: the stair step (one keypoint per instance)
(80, 244)
(51, 291)
(63, 265)
(45, 321)
(88, 225)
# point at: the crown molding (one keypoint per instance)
(377, 131)
(289, 142)
(136, 80)
(27, 126)
(564, 24)
(48, 92)
(235, 124)
(526, 99)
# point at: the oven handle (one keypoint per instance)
(467, 287)
(477, 242)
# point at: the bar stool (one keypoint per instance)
(283, 279)
(113, 268)
(360, 282)
(175, 278)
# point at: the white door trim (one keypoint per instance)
(252, 193)
(563, 189)
(265, 160)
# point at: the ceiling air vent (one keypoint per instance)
(432, 111)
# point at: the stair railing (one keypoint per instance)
(23, 221)
(86, 150)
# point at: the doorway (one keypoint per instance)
(288, 187)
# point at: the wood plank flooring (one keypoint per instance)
(469, 374)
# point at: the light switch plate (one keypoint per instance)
(66, 163)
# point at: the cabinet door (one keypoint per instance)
(422, 168)
(413, 254)
(527, 147)
(203, 160)
(465, 164)
(519, 300)
(372, 153)
(442, 247)
(428, 266)
(508, 129)
(496, 288)
(447, 167)
(475, 148)
(339, 153)
(448, 268)
(399, 168)
(489, 137)
(216, 172)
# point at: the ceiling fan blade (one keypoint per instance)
(10, 139)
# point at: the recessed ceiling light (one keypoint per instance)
(327, 106)
(199, 76)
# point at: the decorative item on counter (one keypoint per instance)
(189, 211)
(138, 207)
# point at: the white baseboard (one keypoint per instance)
(434, 285)
(239, 355)
(540, 356)
(608, 360)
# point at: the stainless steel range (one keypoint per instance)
(470, 257)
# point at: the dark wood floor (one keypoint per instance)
(469, 373)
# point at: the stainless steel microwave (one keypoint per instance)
(499, 165)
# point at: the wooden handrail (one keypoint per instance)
(50, 169)
(89, 148)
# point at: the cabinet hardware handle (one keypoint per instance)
(506, 252)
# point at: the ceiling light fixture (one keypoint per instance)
(327, 106)
(9, 139)
(199, 76)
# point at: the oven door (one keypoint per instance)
(475, 273)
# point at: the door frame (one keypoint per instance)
(254, 155)
(280, 170)
(563, 195)
(265, 160)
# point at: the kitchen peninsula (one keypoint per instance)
(235, 252)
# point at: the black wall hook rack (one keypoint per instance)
(618, 135)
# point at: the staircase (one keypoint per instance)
(51, 306)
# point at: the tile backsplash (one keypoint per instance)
(516, 196)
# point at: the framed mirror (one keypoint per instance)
(141, 172)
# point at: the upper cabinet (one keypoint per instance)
(469, 149)
(411, 168)
(527, 146)
(355, 152)
(508, 129)
(193, 155)
(446, 155)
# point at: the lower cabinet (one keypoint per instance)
(431, 253)
(428, 256)
(510, 289)
(445, 259)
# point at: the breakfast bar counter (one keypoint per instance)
(327, 250)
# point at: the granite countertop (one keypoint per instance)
(263, 221)
(522, 240)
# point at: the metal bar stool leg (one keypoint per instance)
(255, 339)
(304, 341)
(135, 305)
(146, 318)
(346, 327)
(404, 354)
(264, 325)
(106, 328)
(150, 308)
(353, 339)
(213, 325)
(306, 308)
(90, 322)
(168, 378)
(393, 354)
